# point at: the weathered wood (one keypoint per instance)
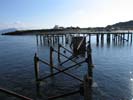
(79, 45)
(87, 88)
(36, 67)
(63, 70)
(90, 63)
(131, 37)
(15, 94)
(97, 39)
(102, 39)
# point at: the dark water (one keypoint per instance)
(113, 71)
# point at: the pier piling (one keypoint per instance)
(36, 67)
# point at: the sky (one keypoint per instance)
(35, 14)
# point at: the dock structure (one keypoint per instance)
(81, 45)
(86, 82)
(65, 37)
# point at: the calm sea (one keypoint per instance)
(113, 71)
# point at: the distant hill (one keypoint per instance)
(118, 26)
(8, 30)
(122, 25)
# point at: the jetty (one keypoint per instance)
(81, 45)
(53, 35)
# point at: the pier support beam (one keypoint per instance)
(102, 39)
(108, 39)
(36, 67)
(97, 39)
(131, 38)
(90, 64)
(87, 88)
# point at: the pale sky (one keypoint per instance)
(47, 13)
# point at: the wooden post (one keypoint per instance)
(53, 39)
(36, 67)
(66, 39)
(102, 39)
(97, 39)
(116, 38)
(90, 64)
(88, 79)
(51, 60)
(87, 88)
(48, 39)
(131, 38)
(108, 39)
(59, 53)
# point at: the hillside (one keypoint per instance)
(7, 30)
(122, 25)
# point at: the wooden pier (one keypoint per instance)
(86, 81)
(53, 38)
(81, 41)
